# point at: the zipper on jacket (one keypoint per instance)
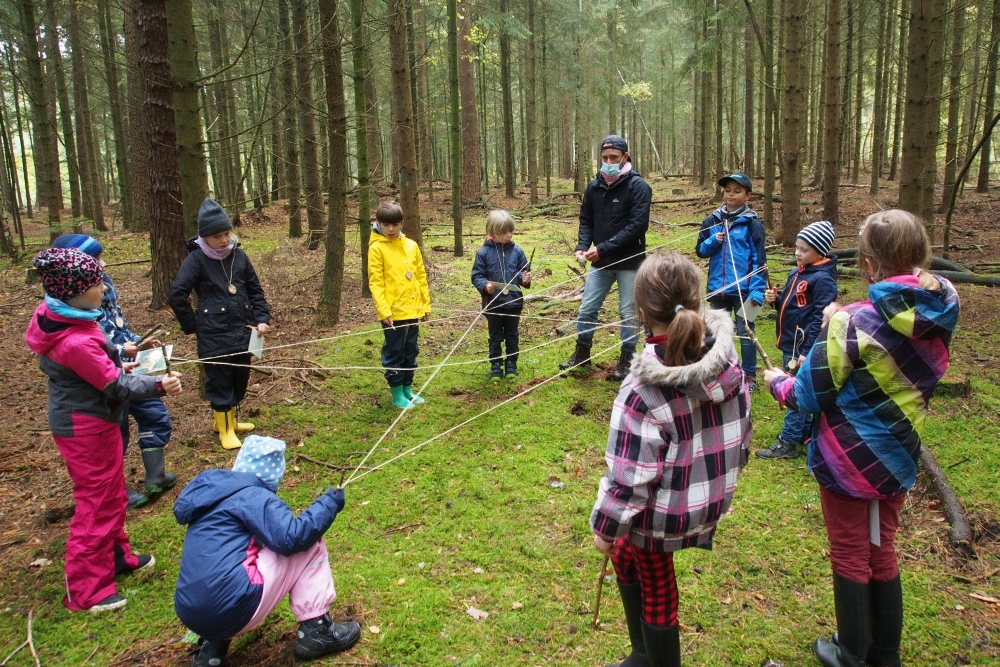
(784, 304)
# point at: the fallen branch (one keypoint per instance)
(29, 642)
(399, 529)
(309, 277)
(134, 261)
(331, 466)
(961, 534)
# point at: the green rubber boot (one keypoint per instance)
(399, 398)
(408, 392)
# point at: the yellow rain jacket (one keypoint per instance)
(396, 278)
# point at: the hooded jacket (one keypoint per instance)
(679, 437)
(396, 277)
(871, 374)
(87, 387)
(741, 249)
(222, 318)
(615, 218)
(111, 314)
(500, 263)
(800, 305)
(230, 516)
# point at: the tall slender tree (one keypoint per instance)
(455, 129)
(472, 179)
(831, 110)
(404, 128)
(307, 123)
(361, 135)
(793, 112)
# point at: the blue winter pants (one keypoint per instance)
(399, 352)
(798, 425)
(747, 350)
(153, 421)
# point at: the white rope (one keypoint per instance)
(472, 419)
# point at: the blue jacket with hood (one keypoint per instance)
(746, 242)
(800, 305)
(500, 263)
(230, 516)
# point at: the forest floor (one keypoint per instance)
(493, 516)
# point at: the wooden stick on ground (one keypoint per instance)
(961, 534)
(29, 642)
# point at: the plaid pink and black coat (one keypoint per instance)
(679, 437)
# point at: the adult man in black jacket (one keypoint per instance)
(614, 217)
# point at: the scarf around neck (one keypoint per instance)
(213, 253)
(63, 309)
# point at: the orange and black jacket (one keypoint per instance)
(800, 305)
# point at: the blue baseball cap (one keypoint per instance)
(738, 177)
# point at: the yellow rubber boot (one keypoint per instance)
(227, 433)
(241, 427)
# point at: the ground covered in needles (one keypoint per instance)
(475, 549)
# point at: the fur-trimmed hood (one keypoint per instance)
(712, 378)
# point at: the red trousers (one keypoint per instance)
(655, 574)
(852, 554)
(97, 529)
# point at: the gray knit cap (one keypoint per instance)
(212, 219)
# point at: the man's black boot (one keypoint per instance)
(580, 357)
(663, 645)
(632, 602)
(624, 365)
(852, 602)
(886, 623)
(322, 636)
(210, 653)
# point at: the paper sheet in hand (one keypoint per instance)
(749, 311)
(152, 361)
(256, 347)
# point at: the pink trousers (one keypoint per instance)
(305, 578)
(97, 529)
(852, 554)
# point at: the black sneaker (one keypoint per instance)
(322, 636)
(751, 385)
(510, 368)
(122, 568)
(210, 653)
(780, 450)
(496, 371)
(113, 601)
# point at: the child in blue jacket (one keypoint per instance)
(150, 415)
(732, 239)
(244, 551)
(501, 266)
(811, 287)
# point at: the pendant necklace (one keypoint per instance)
(229, 277)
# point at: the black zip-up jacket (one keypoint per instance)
(222, 318)
(615, 219)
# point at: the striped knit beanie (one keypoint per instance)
(819, 235)
(87, 244)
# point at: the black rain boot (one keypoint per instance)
(322, 636)
(632, 602)
(136, 498)
(852, 602)
(663, 645)
(624, 365)
(157, 481)
(886, 623)
(580, 357)
(210, 653)
(510, 368)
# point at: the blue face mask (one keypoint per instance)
(611, 169)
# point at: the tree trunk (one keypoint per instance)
(612, 73)
(718, 102)
(877, 111)
(897, 122)
(328, 307)
(859, 79)
(845, 97)
(66, 116)
(531, 128)
(40, 116)
(920, 122)
(108, 39)
(769, 116)
(404, 129)
(455, 129)
(954, 103)
(472, 178)
(831, 110)
(793, 112)
(424, 105)
(138, 131)
(361, 136)
(219, 121)
(166, 221)
(508, 106)
(304, 97)
(546, 128)
(93, 207)
(749, 77)
(292, 173)
(983, 183)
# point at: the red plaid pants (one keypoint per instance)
(655, 574)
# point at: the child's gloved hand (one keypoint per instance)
(338, 497)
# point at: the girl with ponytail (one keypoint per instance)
(680, 433)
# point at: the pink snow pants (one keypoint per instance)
(95, 465)
(304, 577)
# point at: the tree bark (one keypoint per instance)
(66, 116)
(546, 128)
(404, 129)
(166, 221)
(859, 79)
(93, 206)
(292, 173)
(877, 111)
(108, 40)
(831, 110)
(954, 103)
(138, 131)
(531, 128)
(304, 98)
(455, 127)
(749, 77)
(361, 136)
(793, 112)
(897, 122)
(472, 178)
(507, 102)
(983, 182)
(769, 116)
(328, 307)
(38, 97)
